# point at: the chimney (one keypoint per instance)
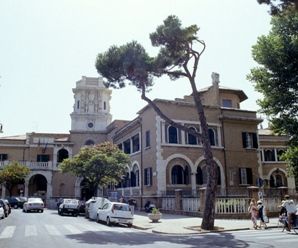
(215, 88)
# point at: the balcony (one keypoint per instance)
(31, 165)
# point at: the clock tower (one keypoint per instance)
(91, 110)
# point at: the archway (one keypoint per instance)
(37, 186)
(86, 191)
(61, 155)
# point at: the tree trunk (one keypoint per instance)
(210, 193)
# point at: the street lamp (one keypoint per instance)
(1, 126)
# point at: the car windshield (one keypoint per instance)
(121, 207)
(34, 200)
(71, 201)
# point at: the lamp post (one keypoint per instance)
(1, 127)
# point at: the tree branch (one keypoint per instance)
(165, 117)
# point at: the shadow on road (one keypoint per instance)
(139, 238)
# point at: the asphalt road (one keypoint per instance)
(49, 230)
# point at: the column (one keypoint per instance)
(193, 183)
(178, 199)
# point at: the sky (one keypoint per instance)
(48, 45)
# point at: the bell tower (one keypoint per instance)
(91, 110)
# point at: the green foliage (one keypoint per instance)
(155, 211)
(12, 174)
(278, 6)
(276, 77)
(99, 165)
(291, 156)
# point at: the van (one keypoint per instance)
(92, 205)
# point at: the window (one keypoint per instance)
(199, 176)
(269, 155)
(147, 138)
(104, 105)
(78, 104)
(3, 157)
(212, 133)
(120, 146)
(192, 139)
(148, 176)
(245, 176)
(126, 146)
(249, 140)
(135, 143)
(180, 175)
(173, 135)
(134, 176)
(43, 158)
(227, 103)
(89, 142)
(280, 152)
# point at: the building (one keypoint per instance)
(164, 159)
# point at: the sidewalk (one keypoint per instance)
(178, 224)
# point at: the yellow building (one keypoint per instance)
(163, 158)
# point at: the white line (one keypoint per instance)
(72, 229)
(52, 230)
(30, 230)
(7, 232)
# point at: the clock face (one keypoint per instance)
(90, 124)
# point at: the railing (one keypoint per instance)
(31, 164)
(231, 205)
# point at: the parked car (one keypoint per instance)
(6, 207)
(14, 202)
(33, 204)
(69, 206)
(115, 212)
(2, 214)
(92, 206)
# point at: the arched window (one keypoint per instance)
(177, 174)
(278, 179)
(192, 139)
(134, 176)
(212, 133)
(173, 135)
(89, 143)
(61, 155)
(199, 176)
(180, 175)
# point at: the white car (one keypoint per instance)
(33, 204)
(115, 212)
(2, 215)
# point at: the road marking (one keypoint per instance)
(7, 232)
(72, 229)
(52, 230)
(30, 230)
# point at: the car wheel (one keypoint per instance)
(108, 221)
(129, 225)
(41, 211)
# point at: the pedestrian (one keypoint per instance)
(289, 205)
(261, 214)
(253, 210)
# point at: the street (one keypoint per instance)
(51, 230)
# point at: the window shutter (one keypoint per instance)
(249, 175)
(145, 177)
(255, 140)
(240, 179)
(150, 172)
(244, 143)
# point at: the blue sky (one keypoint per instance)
(48, 45)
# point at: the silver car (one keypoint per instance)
(33, 204)
(115, 212)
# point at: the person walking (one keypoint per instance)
(289, 205)
(261, 214)
(253, 210)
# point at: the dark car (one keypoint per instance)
(69, 206)
(6, 207)
(15, 202)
